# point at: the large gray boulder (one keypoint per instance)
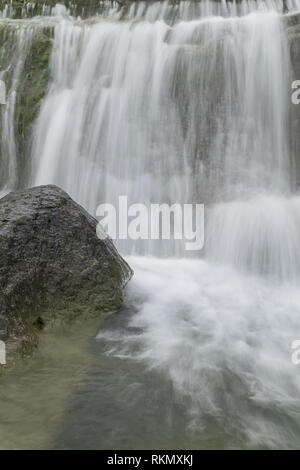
(53, 267)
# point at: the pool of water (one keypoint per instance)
(199, 357)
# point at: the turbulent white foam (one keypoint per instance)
(223, 339)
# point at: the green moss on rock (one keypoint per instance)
(36, 75)
(33, 87)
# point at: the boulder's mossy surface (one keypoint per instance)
(53, 267)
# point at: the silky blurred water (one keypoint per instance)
(179, 111)
(162, 103)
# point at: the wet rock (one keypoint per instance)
(3, 328)
(293, 35)
(53, 268)
(25, 71)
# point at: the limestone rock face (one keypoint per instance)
(53, 267)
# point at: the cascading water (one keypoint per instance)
(190, 103)
(195, 111)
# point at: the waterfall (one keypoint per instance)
(12, 59)
(186, 102)
(178, 104)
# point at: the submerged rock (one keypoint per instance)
(53, 268)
